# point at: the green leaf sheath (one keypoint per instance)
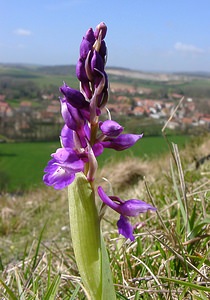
(92, 259)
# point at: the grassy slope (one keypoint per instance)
(168, 260)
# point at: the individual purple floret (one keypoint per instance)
(129, 208)
(71, 115)
(61, 170)
(74, 97)
(121, 142)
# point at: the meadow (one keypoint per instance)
(22, 164)
(170, 257)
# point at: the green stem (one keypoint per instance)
(94, 129)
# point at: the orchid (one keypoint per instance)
(83, 138)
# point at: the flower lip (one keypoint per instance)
(58, 178)
(125, 228)
(61, 169)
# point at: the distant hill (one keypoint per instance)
(58, 70)
(66, 70)
(50, 70)
(194, 74)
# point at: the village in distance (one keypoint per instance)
(30, 106)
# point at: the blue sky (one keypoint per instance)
(147, 35)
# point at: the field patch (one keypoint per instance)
(22, 164)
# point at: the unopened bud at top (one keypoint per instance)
(101, 27)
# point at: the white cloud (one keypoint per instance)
(187, 48)
(21, 31)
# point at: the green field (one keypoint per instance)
(22, 164)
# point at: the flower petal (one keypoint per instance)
(97, 64)
(134, 207)
(66, 137)
(71, 115)
(87, 43)
(106, 199)
(125, 228)
(98, 149)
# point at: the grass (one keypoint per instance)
(169, 258)
(22, 164)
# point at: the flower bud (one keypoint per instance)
(101, 27)
(87, 43)
(97, 63)
(110, 128)
(71, 115)
(74, 97)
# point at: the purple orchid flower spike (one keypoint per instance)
(129, 208)
(83, 138)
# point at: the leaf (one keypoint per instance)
(20, 289)
(53, 289)
(198, 228)
(9, 291)
(91, 257)
(187, 283)
(108, 291)
(76, 291)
